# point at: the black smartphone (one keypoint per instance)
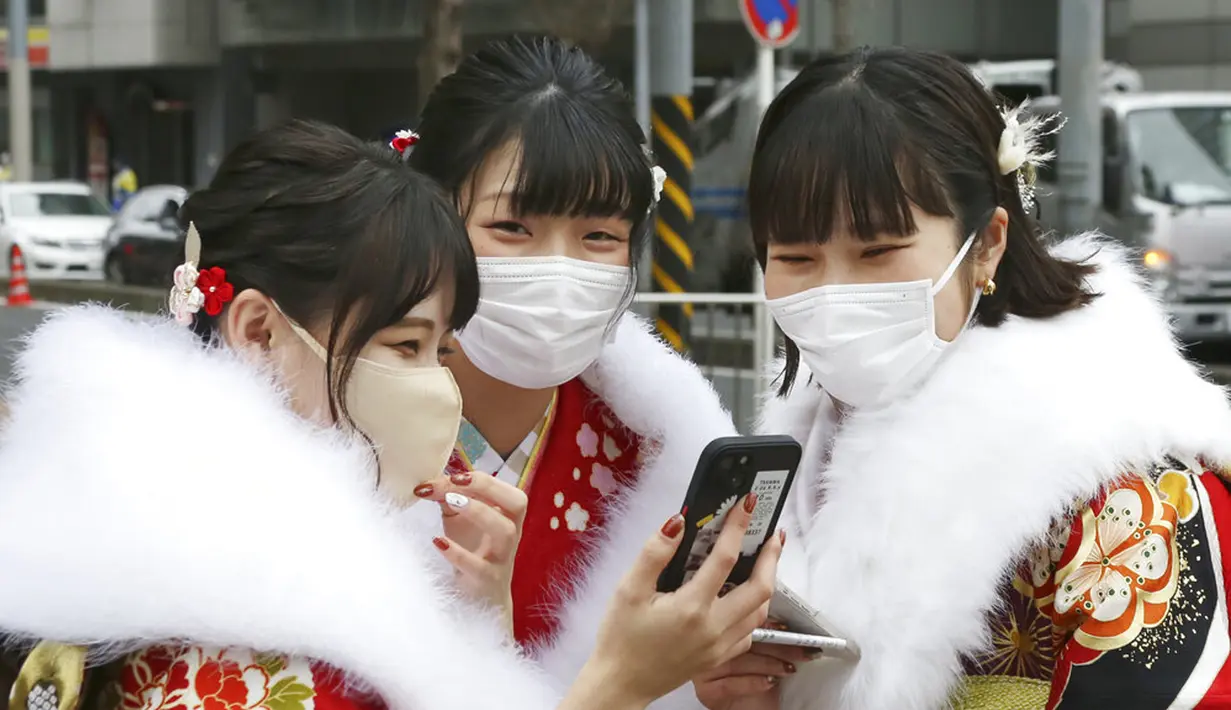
(727, 470)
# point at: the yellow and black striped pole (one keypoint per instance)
(671, 119)
(671, 28)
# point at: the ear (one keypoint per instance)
(251, 323)
(992, 243)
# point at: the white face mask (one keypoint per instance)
(542, 320)
(411, 416)
(868, 344)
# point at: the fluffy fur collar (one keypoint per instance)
(928, 501)
(153, 489)
(670, 404)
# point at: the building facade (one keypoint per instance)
(167, 85)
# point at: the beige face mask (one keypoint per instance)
(411, 416)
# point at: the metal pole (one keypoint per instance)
(21, 119)
(1079, 159)
(641, 89)
(671, 121)
(641, 62)
(764, 336)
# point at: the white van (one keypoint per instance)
(1167, 192)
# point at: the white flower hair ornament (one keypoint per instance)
(194, 289)
(1020, 147)
(660, 179)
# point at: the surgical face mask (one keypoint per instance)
(411, 415)
(542, 320)
(868, 344)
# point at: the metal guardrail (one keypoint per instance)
(733, 341)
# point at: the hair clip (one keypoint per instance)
(194, 289)
(1020, 148)
(403, 140)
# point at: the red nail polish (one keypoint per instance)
(673, 527)
(790, 667)
(772, 679)
(440, 543)
(782, 536)
(460, 479)
(750, 503)
(424, 490)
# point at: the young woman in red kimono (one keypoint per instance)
(221, 500)
(565, 394)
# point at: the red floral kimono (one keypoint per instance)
(577, 457)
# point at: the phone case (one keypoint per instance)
(727, 470)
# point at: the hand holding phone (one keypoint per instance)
(728, 470)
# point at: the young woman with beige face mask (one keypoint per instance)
(229, 521)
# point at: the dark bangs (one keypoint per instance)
(413, 244)
(840, 160)
(572, 165)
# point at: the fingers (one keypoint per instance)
(755, 663)
(641, 582)
(740, 686)
(509, 499)
(463, 560)
(501, 533)
(759, 588)
(781, 652)
(737, 638)
(708, 581)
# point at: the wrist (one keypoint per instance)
(601, 686)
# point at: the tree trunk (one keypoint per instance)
(442, 43)
(843, 26)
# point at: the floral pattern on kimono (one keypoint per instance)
(1122, 605)
(199, 678)
(571, 466)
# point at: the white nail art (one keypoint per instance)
(456, 500)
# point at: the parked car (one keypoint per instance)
(144, 245)
(57, 226)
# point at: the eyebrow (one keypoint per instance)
(418, 322)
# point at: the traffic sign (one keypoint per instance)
(773, 23)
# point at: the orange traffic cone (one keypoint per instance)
(19, 287)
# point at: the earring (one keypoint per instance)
(989, 287)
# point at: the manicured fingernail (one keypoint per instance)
(460, 479)
(777, 626)
(790, 667)
(673, 527)
(782, 536)
(772, 679)
(456, 500)
(440, 543)
(750, 503)
(813, 653)
(424, 490)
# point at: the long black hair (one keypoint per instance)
(335, 230)
(582, 152)
(853, 141)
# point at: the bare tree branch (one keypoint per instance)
(442, 43)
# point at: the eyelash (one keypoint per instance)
(878, 251)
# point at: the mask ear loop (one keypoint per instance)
(953, 265)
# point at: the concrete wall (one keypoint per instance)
(1177, 44)
(113, 34)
